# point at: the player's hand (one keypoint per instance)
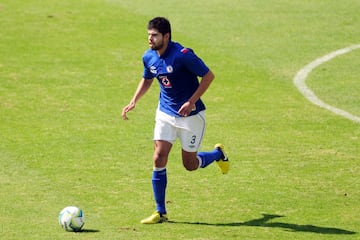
(186, 109)
(126, 109)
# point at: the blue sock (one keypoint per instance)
(159, 181)
(209, 157)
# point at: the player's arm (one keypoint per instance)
(142, 88)
(205, 82)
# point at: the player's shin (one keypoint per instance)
(159, 182)
(206, 158)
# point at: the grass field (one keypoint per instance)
(68, 67)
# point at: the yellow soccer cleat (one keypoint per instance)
(156, 217)
(223, 163)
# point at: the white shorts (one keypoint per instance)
(190, 130)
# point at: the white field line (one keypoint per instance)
(299, 81)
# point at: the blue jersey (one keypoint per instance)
(177, 72)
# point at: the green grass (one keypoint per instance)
(68, 67)
(332, 80)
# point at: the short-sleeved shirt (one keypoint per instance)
(177, 72)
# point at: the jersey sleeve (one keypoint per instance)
(147, 73)
(193, 63)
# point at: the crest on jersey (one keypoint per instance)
(169, 69)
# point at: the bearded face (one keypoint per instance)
(156, 39)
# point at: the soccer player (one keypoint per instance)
(180, 113)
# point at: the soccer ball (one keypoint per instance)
(72, 219)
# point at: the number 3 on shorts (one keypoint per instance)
(193, 139)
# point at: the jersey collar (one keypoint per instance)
(171, 43)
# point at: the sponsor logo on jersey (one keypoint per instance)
(153, 69)
(165, 82)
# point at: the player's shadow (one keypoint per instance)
(264, 222)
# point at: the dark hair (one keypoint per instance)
(161, 24)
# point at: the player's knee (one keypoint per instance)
(190, 160)
(159, 160)
(189, 166)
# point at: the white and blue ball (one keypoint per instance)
(72, 219)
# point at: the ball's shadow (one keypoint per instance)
(88, 231)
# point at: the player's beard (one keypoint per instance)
(158, 46)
